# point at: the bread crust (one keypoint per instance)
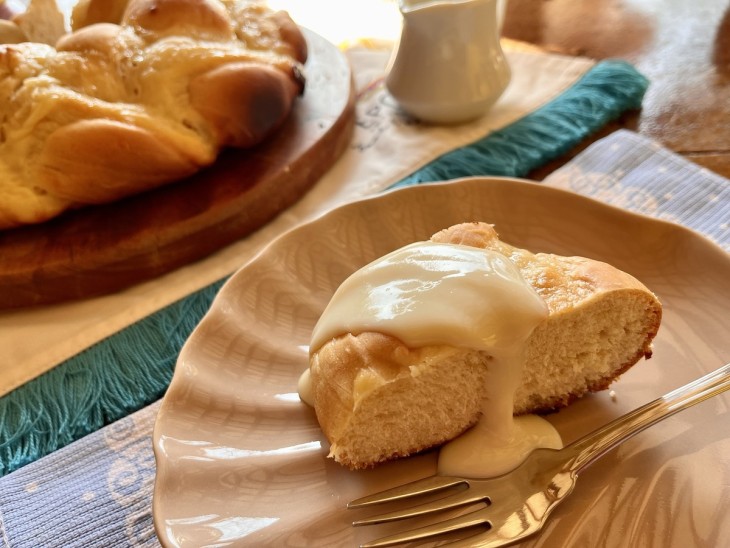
(243, 102)
(76, 164)
(200, 19)
(141, 94)
(89, 12)
(11, 33)
(291, 34)
(601, 322)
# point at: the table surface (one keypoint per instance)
(683, 47)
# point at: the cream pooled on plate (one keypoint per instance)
(420, 345)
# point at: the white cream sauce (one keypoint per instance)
(429, 293)
(481, 453)
(304, 387)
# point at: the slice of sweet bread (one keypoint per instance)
(377, 398)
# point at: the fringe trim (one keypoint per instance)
(133, 368)
(102, 384)
(601, 95)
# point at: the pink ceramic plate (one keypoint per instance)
(241, 461)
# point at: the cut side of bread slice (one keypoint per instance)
(377, 399)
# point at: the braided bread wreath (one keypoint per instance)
(141, 93)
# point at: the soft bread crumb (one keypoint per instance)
(383, 423)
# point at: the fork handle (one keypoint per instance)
(594, 445)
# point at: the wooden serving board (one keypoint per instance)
(103, 249)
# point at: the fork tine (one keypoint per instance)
(462, 498)
(431, 484)
(458, 523)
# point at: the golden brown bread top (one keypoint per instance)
(149, 95)
(88, 12)
(560, 281)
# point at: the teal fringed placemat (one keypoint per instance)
(133, 368)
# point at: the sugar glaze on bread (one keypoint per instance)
(118, 107)
(377, 398)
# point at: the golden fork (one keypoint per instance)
(518, 503)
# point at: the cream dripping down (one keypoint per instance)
(434, 293)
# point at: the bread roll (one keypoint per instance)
(89, 12)
(151, 91)
(377, 399)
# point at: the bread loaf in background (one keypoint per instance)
(601, 321)
(141, 93)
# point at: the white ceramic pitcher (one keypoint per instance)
(448, 66)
